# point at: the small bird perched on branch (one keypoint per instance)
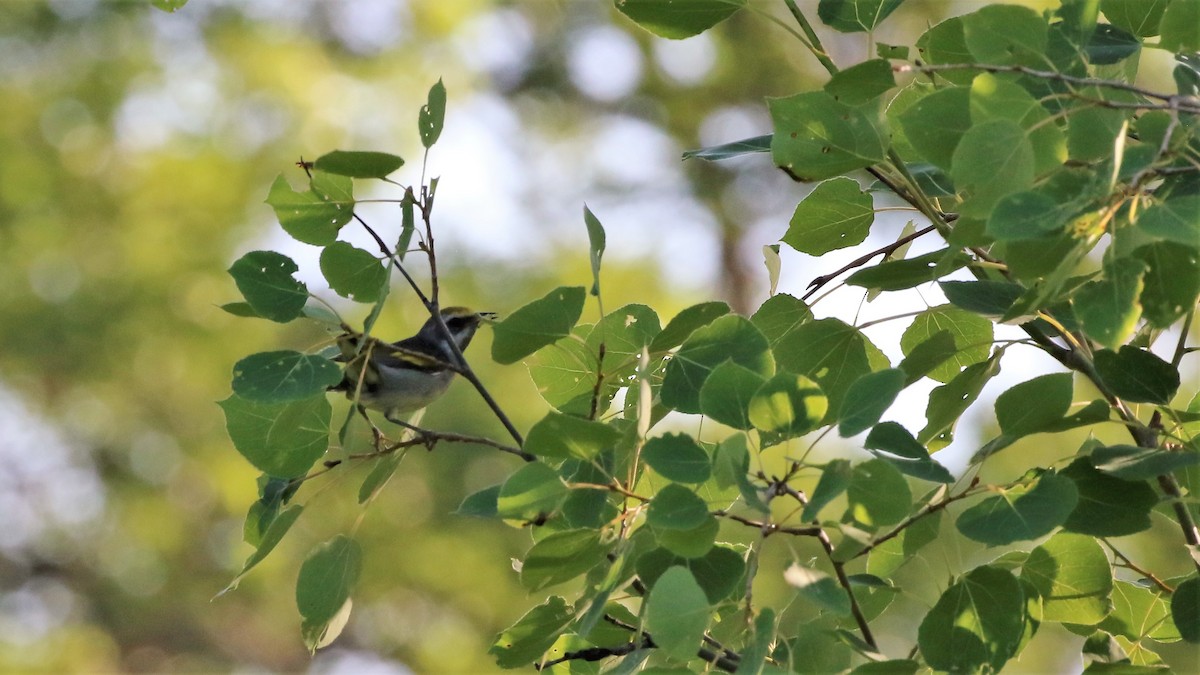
(402, 377)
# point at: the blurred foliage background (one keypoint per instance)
(136, 148)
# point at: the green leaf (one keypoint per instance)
(720, 572)
(327, 578)
(945, 43)
(678, 20)
(878, 494)
(818, 587)
(283, 376)
(432, 115)
(565, 375)
(1006, 35)
(935, 124)
(1137, 375)
(313, 217)
(735, 149)
(1185, 609)
(728, 337)
(1092, 133)
(948, 402)
(726, 394)
(977, 622)
(687, 322)
(537, 324)
(1175, 220)
(693, 543)
(867, 399)
(986, 297)
(1109, 44)
(754, 654)
(525, 641)
(352, 272)
(993, 98)
(676, 507)
(560, 557)
(1108, 506)
(560, 436)
(275, 531)
(818, 137)
(531, 493)
(836, 214)
(779, 316)
(1021, 512)
(927, 355)
(888, 557)
(1171, 283)
(1139, 613)
(789, 405)
(1180, 27)
(678, 457)
(1031, 406)
(1133, 463)
(242, 309)
(862, 82)
(1109, 309)
(911, 458)
(855, 16)
(481, 504)
(677, 613)
(972, 337)
(993, 159)
(1140, 17)
(832, 353)
(1072, 575)
(895, 275)
(596, 243)
(834, 481)
(265, 280)
(623, 332)
(1023, 215)
(280, 439)
(356, 164)
(731, 463)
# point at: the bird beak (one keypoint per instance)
(488, 316)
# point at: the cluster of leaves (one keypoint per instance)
(1067, 203)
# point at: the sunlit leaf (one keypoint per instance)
(1073, 578)
(678, 20)
(836, 214)
(537, 324)
(358, 164)
(977, 622)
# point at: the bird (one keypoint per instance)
(403, 377)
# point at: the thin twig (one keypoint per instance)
(818, 282)
(814, 42)
(1041, 74)
(464, 368)
(839, 568)
(427, 436)
(1136, 568)
(928, 509)
(727, 660)
(768, 528)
